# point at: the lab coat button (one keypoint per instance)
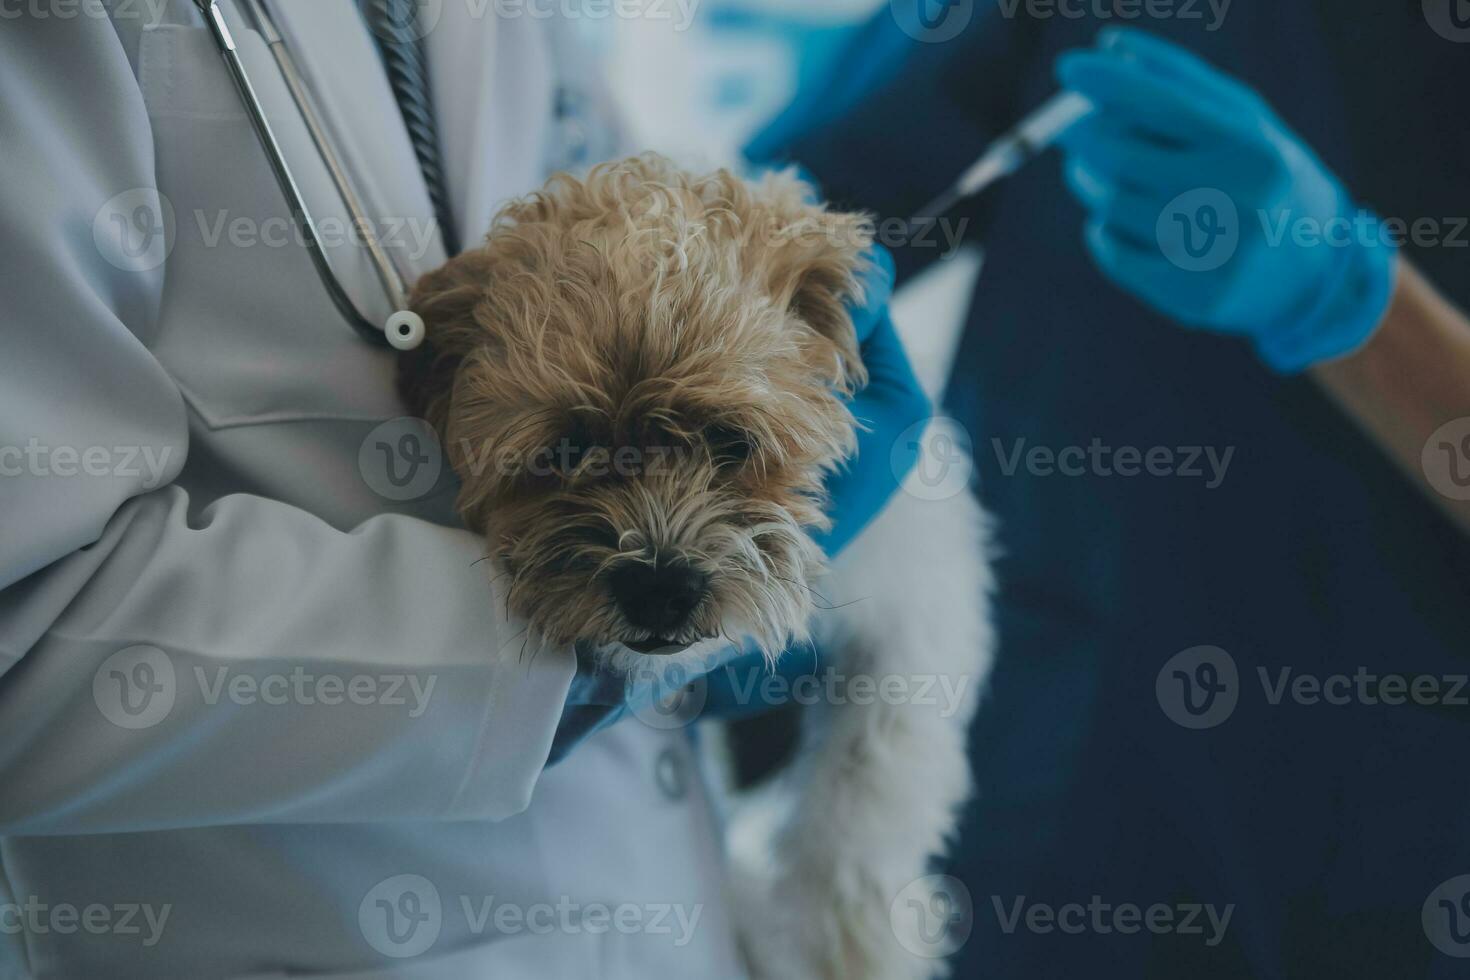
(671, 775)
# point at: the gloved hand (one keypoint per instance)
(891, 402)
(1205, 205)
(667, 695)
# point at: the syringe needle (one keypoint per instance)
(1008, 153)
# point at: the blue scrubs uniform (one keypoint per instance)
(1325, 826)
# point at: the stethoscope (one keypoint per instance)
(403, 329)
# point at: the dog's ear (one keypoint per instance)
(446, 298)
(815, 262)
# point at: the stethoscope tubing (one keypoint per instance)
(403, 330)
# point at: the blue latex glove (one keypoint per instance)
(891, 402)
(663, 696)
(1205, 205)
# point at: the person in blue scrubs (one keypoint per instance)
(1118, 763)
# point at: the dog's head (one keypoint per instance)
(640, 380)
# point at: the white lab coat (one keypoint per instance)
(197, 487)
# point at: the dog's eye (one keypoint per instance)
(577, 444)
(570, 453)
(728, 446)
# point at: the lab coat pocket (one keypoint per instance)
(246, 328)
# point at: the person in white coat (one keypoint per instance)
(260, 715)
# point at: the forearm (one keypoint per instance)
(1411, 378)
(252, 664)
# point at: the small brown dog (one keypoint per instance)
(640, 379)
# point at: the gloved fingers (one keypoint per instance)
(889, 370)
(1177, 64)
(1131, 158)
(729, 689)
(1091, 191)
(1135, 96)
(1125, 211)
(1140, 268)
(877, 290)
(892, 402)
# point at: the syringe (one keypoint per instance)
(1010, 152)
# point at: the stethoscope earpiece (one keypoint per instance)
(404, 330)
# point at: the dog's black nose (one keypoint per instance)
(658, 597)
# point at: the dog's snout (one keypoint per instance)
(658, 597)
